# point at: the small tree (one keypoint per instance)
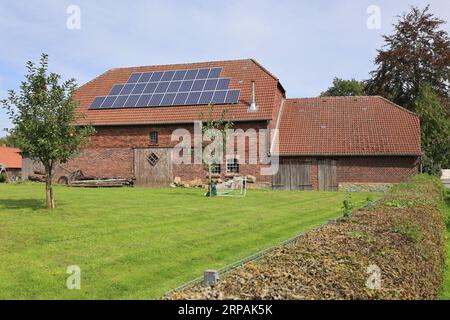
(208, 125)
(44, 119)
(435, 131)
(341, 87)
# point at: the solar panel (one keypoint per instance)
(116, 89)
(168, 99)
(120, 101)
(138, 88)
(132, 100)
(193, 98)
(206, 97)
(108, 102)
(219, 97)
(170, 88)
(215, 73)
(134, 77)
(202, 74)
(145, 77)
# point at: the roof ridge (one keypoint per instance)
(334, 97)
(180, 64)
(398, 106)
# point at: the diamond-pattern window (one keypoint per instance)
(153, 159)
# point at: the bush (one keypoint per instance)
(3, 177)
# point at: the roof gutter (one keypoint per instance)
(349, 155)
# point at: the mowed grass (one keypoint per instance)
(133, 243)
(445, 293)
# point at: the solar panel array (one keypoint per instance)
(170, 88)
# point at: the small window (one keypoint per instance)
(154, 137)
(232, 166)
(215, 169)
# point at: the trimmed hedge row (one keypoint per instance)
(394, 250)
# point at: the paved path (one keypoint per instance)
(446, 178)
(446, 182)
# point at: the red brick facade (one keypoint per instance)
(377, 169)
(111, 152)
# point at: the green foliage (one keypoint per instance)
(3, 177)
(44, 119)
(341, 87)
(435, 131)
(417, 52)
(409, 230)
(347, 206)
(8, 141)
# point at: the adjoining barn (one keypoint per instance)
(11, 162)
(346, 143)
(324, 143)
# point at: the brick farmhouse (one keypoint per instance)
(322, 143)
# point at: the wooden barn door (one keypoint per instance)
(293, 175)
(153, 167)
(327, 175)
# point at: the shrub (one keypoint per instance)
(347, 206)
(3, 177)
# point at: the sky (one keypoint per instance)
(304, 43)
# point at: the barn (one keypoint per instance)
(320, 143)
(10, 162)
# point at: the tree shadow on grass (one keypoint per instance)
(15, 204)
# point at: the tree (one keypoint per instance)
(209, 125)
(44, 119)
(341, 87)
(416, 54)
(8, 141)
(435, 131)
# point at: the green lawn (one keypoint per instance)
(139, 243)
(445, 294)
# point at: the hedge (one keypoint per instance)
(399, 241)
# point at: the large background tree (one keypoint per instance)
(417, 53)
(435, 130)
(341, 87)
(44, 119)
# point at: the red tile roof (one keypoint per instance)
(348, 126)
(10, 158)
(241, 72)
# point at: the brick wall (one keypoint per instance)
(111, 152)
(377, 169)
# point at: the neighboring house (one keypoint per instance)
(11, 161)
(323, 142)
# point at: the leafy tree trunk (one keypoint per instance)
(209, 180)
(49, 187)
